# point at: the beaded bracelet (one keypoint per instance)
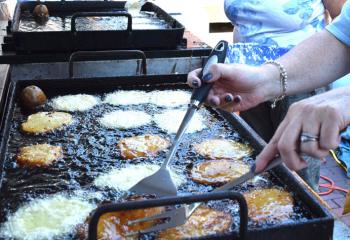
(283, 80)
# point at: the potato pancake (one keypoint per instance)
(126, 177)
(218, 172)
(170, 98)
(142, 146)
(127, 97)
(203, 222)
(125, 119)
(269, 204)
(223, 149)
(43, 122)
(38, 155)
(170, 121)
(78, 102)
(47, 218)
(113, 225)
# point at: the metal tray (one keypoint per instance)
(68, 41)
(319, 223)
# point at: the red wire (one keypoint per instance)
(330, 186)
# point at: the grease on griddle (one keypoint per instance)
(90, 150)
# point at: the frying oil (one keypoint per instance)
(90, 151)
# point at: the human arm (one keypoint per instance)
(322, 116)
(315, 62)
(333, 6)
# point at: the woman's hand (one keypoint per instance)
(238, 87)
(311, 126)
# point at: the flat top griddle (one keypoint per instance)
(90, 149)
(93, 25)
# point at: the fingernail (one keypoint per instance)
(207, 77)
(237, 99)
(212, 102)
(253, 168)
(195, 83)
(228, 98)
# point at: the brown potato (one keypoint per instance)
(32, 97)
(41, 13)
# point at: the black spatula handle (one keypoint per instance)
(217, 55)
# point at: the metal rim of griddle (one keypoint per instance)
(322, 221)
(104, 55)
(132, 205)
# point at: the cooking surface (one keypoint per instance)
(142, 20)
(89, 150)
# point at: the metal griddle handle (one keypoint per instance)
(104, 55)
(114, 207)
(101, 14)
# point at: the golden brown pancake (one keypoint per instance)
(114, 225)
(38, 155)
(43, 122)
(269, 204)
(218, 172)
(142, 146)
(223, 149)
(203, 222)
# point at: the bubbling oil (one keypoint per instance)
(90, 150)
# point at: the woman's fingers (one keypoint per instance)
(193, 79)
(330, 132)
(288, 146)
(271, 150)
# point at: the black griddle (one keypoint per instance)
(73, 40)
(318, 222)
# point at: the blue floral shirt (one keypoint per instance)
(340, 27)
(267, 29)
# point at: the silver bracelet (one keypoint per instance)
(283, 81)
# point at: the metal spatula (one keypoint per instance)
(179, 216)
(160, 183)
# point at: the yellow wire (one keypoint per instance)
(337, 160)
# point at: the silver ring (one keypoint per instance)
(306, 137)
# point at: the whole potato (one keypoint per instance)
(32, 97)
(41, 13)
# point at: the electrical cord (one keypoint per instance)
(331, 185)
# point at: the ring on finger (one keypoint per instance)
(307, 137)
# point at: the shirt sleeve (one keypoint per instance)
(340, 27)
